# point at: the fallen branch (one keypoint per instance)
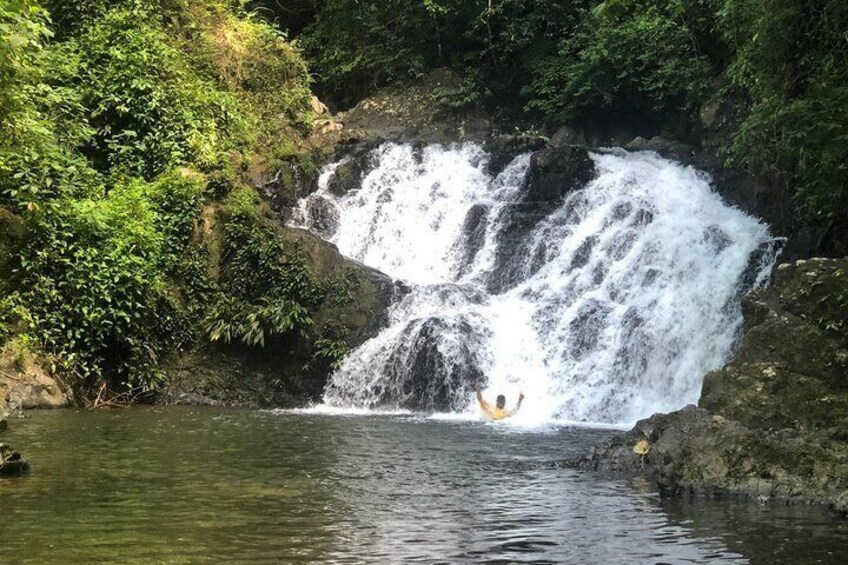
(7, 375)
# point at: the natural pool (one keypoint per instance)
(201, 485)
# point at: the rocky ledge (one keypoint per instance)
(771, 424)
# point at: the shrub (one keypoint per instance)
(642, 58)
(150, 109)
(268, 288)
(790, 57)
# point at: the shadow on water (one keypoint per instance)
(189, 485)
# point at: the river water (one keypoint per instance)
(204, 485)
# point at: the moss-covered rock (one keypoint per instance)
(774, 421)
(289, 369)
(418, 113)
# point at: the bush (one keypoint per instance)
(790, 58)
(642, 59)
(267, 288)
(150, 109)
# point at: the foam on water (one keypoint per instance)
(627, 291)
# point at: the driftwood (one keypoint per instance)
(121, 400)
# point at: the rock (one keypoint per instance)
(25, 382)
(568, 136)
(354, 162)
(11, 462)
(774, 421)
(671, 149)
(554, 172)
(415, 113)
(318, 107)
(503, 149)
(289, 183)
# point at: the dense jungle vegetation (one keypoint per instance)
(644, 64)
(125, 123)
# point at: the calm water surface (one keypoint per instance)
(190, 485)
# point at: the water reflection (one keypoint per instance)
(204, 485)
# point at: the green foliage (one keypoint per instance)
(791, 57)
(333, 350)
(105, 126)
(268, 288)
(150, 109)
(92, 286)
(639, 57)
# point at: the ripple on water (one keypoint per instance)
(188, 485)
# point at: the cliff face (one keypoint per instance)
(774, 421)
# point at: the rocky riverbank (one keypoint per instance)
(773, 422)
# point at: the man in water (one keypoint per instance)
(499, 412)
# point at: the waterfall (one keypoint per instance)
(608, 305)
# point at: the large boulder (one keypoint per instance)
(774, 421)
(419, 112)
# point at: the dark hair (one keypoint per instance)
(500, 402)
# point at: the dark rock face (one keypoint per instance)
(356, 161)
(431, 383)
(289, 183)
(502, 149)
(774, 421)
(554, 172)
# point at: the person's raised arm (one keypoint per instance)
(479, 395)
(517, 404)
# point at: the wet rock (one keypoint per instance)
(554, 172)
(474, 235)
(503, 149)
(417, 113)
(11, 461)
(773, 422)
(428, 379)
(355, 162)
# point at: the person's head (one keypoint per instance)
(500, 402)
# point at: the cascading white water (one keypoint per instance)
(618, 300)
